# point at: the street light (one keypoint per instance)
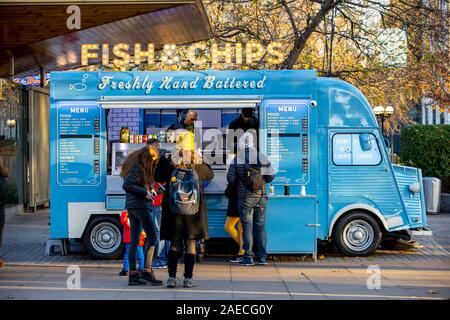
(383, 113)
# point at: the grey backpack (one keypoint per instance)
(184, 192)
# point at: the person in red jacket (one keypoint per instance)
(126, 239)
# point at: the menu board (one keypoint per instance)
(287, 142)
(78, 145)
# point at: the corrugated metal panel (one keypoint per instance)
(371, 183)
(405, 177)
(217, 211)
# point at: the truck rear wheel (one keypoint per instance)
(357, 234)
(103, 238)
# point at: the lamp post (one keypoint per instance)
(383, 113)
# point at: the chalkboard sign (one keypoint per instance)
(78, 145)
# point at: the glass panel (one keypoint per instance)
(342, 149)
(369, 157)
(152, 119)
(168, 117)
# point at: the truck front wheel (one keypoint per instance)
(357, 234)
(103, 238)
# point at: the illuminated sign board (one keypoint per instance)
(198, 53)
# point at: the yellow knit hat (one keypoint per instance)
(153, 153)
(185, 141)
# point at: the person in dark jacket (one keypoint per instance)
(187, 228)
(3, 193)
(252, 204)
(138, 172)
(187, 121)
(245, 121)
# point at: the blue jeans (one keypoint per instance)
(252, 210)
(140, 257)
(141, 219)
(161, 246)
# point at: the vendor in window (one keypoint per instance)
(187, 121)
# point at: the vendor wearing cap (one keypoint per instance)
(245, 121)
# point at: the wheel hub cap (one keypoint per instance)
(358, 235)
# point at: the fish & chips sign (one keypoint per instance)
(122, 54)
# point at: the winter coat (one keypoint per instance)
(127, 231)
(136, 192)
(236, 172)
(180, 227)
(3, 190)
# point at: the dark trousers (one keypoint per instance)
(2, 222)
(253, 218)
(140, 219)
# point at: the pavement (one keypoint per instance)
(422, 273)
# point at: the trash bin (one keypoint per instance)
(432, 193)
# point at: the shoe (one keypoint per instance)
(247, 261)
(123, 272)
(161, 266)
(2, 263)
(171, 282)
(236, 259)
(262, 262)
(188, 283)
(150, 277)
(134, 279)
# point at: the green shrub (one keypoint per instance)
(12, 197)
(428, 147)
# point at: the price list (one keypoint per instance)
(288, 142)
(78, 145)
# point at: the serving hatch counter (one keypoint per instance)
(115, 195)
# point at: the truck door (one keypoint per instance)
(289, 140)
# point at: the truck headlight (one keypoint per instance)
(415, 187)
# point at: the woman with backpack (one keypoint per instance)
(138, 171)
(184, 215)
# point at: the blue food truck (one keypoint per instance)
(334, 180)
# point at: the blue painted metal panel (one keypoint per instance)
(68, 182)
(414, 203)
(340, 105)
(290, 224)
(216, 205)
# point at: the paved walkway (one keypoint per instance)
(422, 273)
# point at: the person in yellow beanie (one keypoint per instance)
(180, 228)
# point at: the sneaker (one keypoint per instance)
(160, 266)
(134, 279)
(247, 261)
(123, 272)
(188, 283)
(150, 277)
(262, 262)
(171, 282)
(236, 259)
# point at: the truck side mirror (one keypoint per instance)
(387, 143)
(364, 142)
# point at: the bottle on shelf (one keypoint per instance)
(124, 134)
(271, 190)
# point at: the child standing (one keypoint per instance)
(126, 239)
